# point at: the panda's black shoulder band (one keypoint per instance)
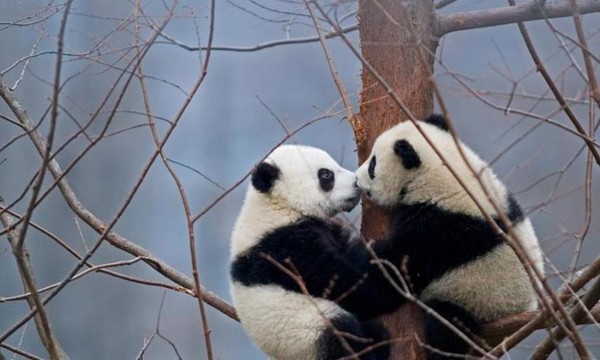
(264, 176)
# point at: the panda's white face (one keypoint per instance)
(392, 164)
(404, 168)
(306, 180)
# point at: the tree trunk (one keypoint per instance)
(394, 36)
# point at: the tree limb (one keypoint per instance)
(33, 300)
(263, 46)
(594, 94)
(511, 14)
(552, 85)
(579, 312)
(509, 325)
(96, 224)
(18, 351)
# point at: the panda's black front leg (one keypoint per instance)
(388, 271)
(443, 342)
(368, 338)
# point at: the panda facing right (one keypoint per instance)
(451, 257)
(285, 223)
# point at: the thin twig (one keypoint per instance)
(180, 188)
(29, 282)
(545, 348)
(266, 45)
(550, 82)
(18, 242)
(100, 227)
(292, 272)
(18, 351)
(72, 251)
(592, 271)
(589, 67)
(357, 126)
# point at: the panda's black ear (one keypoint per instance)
(408, 155)
(264, 176)
(438, 121)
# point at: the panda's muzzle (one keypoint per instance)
(363, 189)
(351, 202)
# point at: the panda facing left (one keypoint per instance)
(297, 274)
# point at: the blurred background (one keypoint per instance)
(232, 123)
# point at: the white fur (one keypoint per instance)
(298, 186)
(286, 324)
(470, 285)
(432, 181)
(295, 193)
(489, 294)
(525, 233)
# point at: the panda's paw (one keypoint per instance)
(379, 349)
(368, 339)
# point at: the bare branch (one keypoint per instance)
(443, 3)
(510, 324)
(539, 321)
(551, 84)
(100, 227)
(263, 46)
(180, 188)
(41, 320)
(159, 265)
(357, 126)
(579, 312)
(18, 351)
(594, 91)
(508, 15)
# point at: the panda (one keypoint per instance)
(447, 252)
(284, 236)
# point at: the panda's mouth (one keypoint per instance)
(351, 202)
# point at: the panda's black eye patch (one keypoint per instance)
(326, 179)
(372, 165)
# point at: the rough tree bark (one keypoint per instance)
(391, 33)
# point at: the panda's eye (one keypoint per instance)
(372, 165)
(326, 179)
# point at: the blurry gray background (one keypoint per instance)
(224, 133)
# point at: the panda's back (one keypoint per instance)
(460, 259)
(493, 286)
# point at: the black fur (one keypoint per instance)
(326, 179)
(264, 176)
(372, 165)
(372, 332)
(406, 152)
(426, 242)
(329, 263)
(515, 214)
(440, 337)
(438, 121)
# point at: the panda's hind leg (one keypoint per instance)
(366, 338)
(444, 343)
